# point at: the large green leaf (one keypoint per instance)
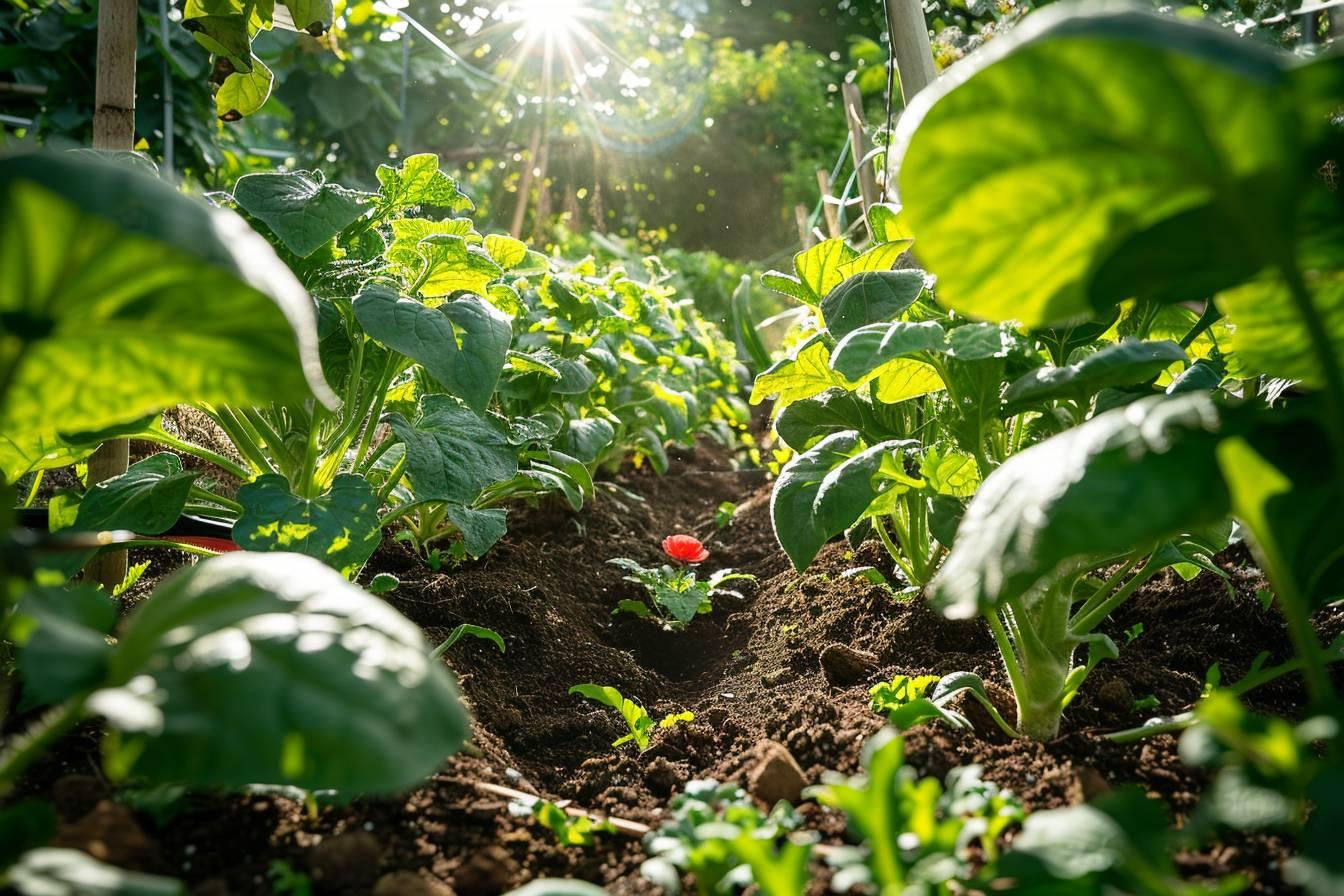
(1092, 125)
(272, 668)
(312, 16)
(1271, 335)
(148, 498)
(818, 272)
(299, 207)
(834, 410)
(871, 297)
(586, 438)
(868, 348)
(243, 93)
(119, 297)
(1123, 481)
(452, 454)
(420, 182)
(824, 491)
(63, 636)
(452, 265)
(1125, 363)
(480, 529)
(429, 335)
(340, 528)
(805, 374)
(1287, 489)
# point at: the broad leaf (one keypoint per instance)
(429, 336)
(451, 265)
(586, 438)
(112, 277)
(824, 491)
(63, 636)
(272, 668)
(868, 348)
(312, 16)
(243, 93)
(481, 529)
(1126, 363)
(1123, 481)
(1271, 336)
(420, 182)
(804, 375)
(299, 207)
(870, 298)
(148, 498)
(835, 410)
(340, 528)
(1091, 128)
(452, 454)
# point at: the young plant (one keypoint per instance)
(717, 835)
(569, 830)
(675, 594)
(636, 717)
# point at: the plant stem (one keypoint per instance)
(1009, 654)
(210, 497)
(242, 439)
(1085, 622)
(1106, 588)
(393, 478)
(33, 489)
(28, 746)
(228, 466)
(897, 556)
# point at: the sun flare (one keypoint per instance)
(550, 20)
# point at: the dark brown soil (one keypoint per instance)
(751, 672)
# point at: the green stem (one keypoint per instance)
(1107, 587)
(244, 439)
(393, 478)
(164, 543)
(390, 368)
(897, 556)
(33, 489)
(307, 485)
(1009, 653)
(263, 433)
(1084, 623)
(210, 497)
(235, 470)
(1321, 345)
(28, 746)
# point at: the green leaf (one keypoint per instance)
(299, 207)
(1271, 334)
(585, 438)
(113, 277)
(63, 636)
(340, 528)
(1092, 127)
(824, 491)
(312, 16)
(420, 182)
(451, 265)
(868, 348)
(272, 668)
(1286, 489)
(1127, 363)
(870, 298)
(481, 529)
(221, 29)
(452, 454)
(148, 498)
(384, 583)
(885, 222)
(1055, 504)
(804, 375)
(819, 267)
(243, 93)
(635, 716)
(682, 604)
(25, 825)
(469, 369)
(71, 872)
(805, 421)
(507, 252)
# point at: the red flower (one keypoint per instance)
(685, 548)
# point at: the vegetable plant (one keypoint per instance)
(1212, 184)
(229, 673)
(636, 717)
(675, 594)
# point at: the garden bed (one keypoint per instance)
(767, 668)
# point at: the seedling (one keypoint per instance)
(723, 516)
(1146, 704)
(1132, 633)
(569, 830)
(674, 594)
(476, 631)
(636, 717)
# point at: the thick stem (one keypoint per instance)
(897, 555)
(1084, 623)
(228, 466)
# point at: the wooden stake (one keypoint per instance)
(113, 129)
(801, 216)
(525, 186)
(828, 207)
(910, 46)
(859, 141)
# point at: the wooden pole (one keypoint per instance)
(910, 46)
(113, 129)
(805, 236)
(525, 186)
(859, 141)
(828, 206)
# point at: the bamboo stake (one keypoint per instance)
(828, 206)
(113, 129)
(859, 138)
(910, 46)
(801, 216)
